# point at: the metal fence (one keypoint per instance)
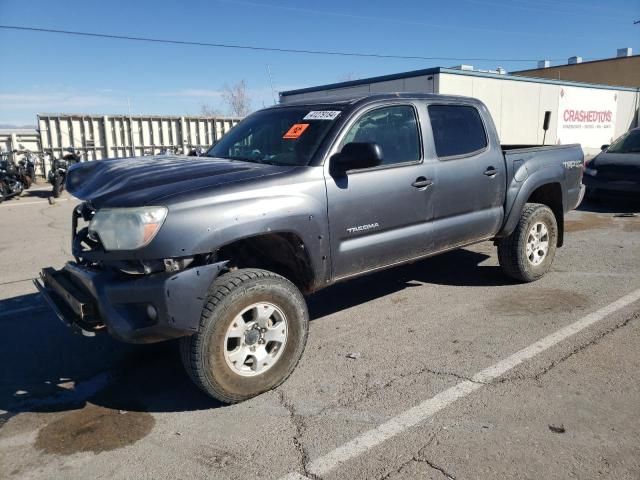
(13, 139)
(113, 136)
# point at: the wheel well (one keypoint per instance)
(551, 196)
(281, 253)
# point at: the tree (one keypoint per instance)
(237, 99)
(207, 110)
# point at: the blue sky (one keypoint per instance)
(54, 73)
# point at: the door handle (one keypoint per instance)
(490, 171)
(422, 182)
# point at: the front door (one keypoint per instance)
(379, 216)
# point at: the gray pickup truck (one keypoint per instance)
(220, 250)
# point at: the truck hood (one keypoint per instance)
(138, 181)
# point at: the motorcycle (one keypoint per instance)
(195, 151)
(26, 167)
(59, 167)
(10, 184)
(169, 151)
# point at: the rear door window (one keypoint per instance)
(457, 130)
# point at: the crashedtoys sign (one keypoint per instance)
(586, 116)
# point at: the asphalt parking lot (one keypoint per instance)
(439, 369)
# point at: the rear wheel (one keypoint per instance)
(253, 331)
(527, 254)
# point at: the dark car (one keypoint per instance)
(615, 171)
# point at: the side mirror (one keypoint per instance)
(356, 155)
(604, 147)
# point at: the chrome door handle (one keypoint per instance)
(422, 182)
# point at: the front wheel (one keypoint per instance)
(253, 330)
(57, 186)
(527, 254)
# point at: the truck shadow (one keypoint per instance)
(456, 268)
(46, 368)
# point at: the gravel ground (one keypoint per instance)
(77, 408)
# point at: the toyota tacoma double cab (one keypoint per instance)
(221, 250)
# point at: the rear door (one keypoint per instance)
(379, 216)
(470, 176)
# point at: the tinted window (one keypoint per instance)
(457, 130)
(395, 129)
(279, 136)
(628, 143)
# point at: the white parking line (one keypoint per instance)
(426, 409)
(13, 203)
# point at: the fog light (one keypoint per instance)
(152, 313)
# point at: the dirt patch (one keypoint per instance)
(215, 458)
(94, 429)
(539, 302)
(631, 225)
(587, 222)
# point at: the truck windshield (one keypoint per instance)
(628, 143)
(279, 136)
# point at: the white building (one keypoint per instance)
(584, 113)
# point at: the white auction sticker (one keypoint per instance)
(322, 115)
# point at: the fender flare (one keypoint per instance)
(532, 183)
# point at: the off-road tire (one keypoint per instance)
(57, 186)
(202, 353)
(512, 249)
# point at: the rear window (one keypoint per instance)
(628, 143)
(457, 130)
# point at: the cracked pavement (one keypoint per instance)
(76, 408)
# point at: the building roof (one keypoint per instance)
(574, 65)
(453, 71)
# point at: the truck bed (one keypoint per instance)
(536, 148)
(566, 160)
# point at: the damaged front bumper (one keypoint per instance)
(133, 308)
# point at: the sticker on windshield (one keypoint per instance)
(296, 130)
(322, 115)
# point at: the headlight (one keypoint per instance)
(589, 168)
(127, 228)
